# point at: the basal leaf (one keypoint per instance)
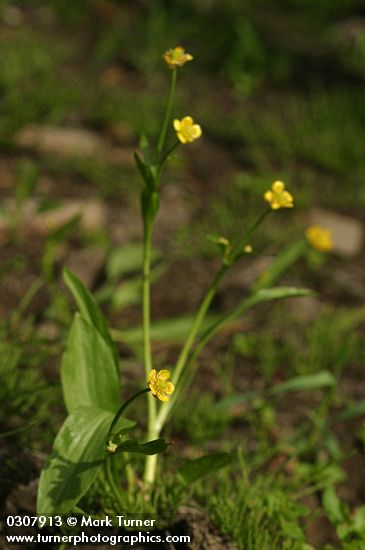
(89, 308)
(88, 371)
(78, 452)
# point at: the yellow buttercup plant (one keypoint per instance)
(278, 197)
(93, 395)
(320, 238)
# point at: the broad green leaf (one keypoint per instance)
(196, 469)
(88, 370)
(306, 382)
(78, 452)
(89, 308)
(150, 448)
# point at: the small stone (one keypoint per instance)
(61, 141)
(347, 233)
(86, 263)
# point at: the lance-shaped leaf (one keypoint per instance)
(78, 452)
(148, 173)
(89, 309)
(88, 372)
(196, 469)
(306, 382)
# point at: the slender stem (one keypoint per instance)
(170, 98)
(167, 154)
(239, 252)
(184, 355)
(147, 356)
(123, 408)
(151, 461)
(150, 465)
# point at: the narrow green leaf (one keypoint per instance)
(236, 399)
(88, 371)
(352, 411)
(88, 307)
(146, 172)
(262, 295)
(282, 263)
(150, 448)
(196, 469)
(78, 452)
(306, 382)
(332, 505)
(166, 330)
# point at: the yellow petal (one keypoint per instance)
(164, 374)
(177, 125)
(196, 131)
(187, 121)
(278, 186)
(162, 397)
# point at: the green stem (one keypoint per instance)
(239, 252)
(184, 355)
(170, 98)
(167, 154)
(147, 355)
(123, 408)
(150, 465)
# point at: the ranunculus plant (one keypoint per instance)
(98, 431)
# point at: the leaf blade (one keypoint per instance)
(78, 452)
(88, 374)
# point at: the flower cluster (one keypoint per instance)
(159, 385)
(278, 197)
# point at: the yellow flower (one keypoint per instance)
(248, 249)
(320, 238)
(159, 385)
(278, 197)
(111, 447)
(186, 129)
(176, 57)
